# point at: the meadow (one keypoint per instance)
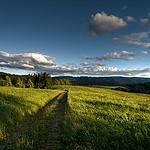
(101, 118)
(85, 118)
(18, 105)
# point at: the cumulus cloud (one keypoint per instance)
(129, 19)
(35, 62)
(134, 39)
(102, 23)
(125, 55)
(25, 61)
(145, 21)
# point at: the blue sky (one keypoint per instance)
(82, 37)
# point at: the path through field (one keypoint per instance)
(43, 130)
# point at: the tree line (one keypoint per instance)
(40, 80)
(136, 88)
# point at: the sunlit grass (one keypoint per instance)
(17, 105)
(101, 118)
(91, 119)
(43, 131)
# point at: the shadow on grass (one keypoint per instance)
(56, 126)
(43, 130)
(59, 112)
(102, 135)
(13, 110)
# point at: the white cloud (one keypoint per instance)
(145, 52)
(102, 23)
(145, 21)
(85, 64)
(125, 55)
(129, 58)
(40, 58)
(129, 19)
(134, 39)
(113, 71)
(25, 61)
(43, 63)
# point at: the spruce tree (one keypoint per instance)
(30, 84)
(8, 81)
(19, 83)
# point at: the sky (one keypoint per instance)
(75, 37)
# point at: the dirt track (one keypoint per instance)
(51, 127)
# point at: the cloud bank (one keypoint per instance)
(102, 23)
(134, 39)
(43, 63)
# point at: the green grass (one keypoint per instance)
(88, 119)
(18, 105)
(43, 131)
(100, 119)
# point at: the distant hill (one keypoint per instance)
(106, 81)
(3, 75)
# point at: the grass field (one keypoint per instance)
(101, 118)
(85, 118)
(18, 105)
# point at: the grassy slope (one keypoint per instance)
(99, 119)
(18, 105)
(43, 131)
(93, 118)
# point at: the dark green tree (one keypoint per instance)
(8, 81)
(19, 83)
(47, 80)
(2, 82)
(56, 82)
(29, 83)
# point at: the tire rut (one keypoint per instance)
(54, 127)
